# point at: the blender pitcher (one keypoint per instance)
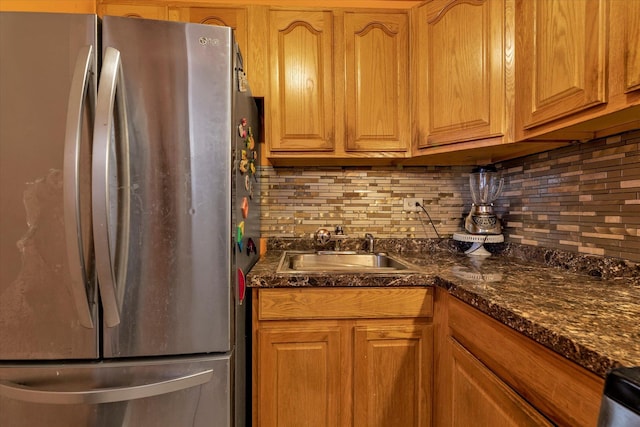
(486, 185)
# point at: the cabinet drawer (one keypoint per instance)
(344, 303)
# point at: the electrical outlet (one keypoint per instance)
(410, 204)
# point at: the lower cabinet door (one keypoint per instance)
(392, 375)
(299, 377)
(480, 398)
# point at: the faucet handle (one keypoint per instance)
(323, 236)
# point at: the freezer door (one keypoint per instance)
(174, 296)
(158, 393)
(47, 285)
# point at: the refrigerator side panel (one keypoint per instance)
(38, 316)
(176, 296)
(159, 393)
(245, 212)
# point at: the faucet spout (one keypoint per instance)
(369, 238)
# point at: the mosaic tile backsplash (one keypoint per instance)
(583, 198)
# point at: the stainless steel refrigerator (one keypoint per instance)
(128, 218)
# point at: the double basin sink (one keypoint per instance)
(341, 262)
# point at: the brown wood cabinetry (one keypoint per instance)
(347, 357)
(134, 10)
(63, 6)
(578, 68)
(463, 98)
(478, 356)
(339, 84)
(301, 114)
(377, 81)
(479, 398)
(562, 58)
(464, 75)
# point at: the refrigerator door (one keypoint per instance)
(159, 393)
(47, 285)
(174, 296)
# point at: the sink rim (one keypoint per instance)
(284, 262)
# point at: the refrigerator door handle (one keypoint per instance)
(111, 116)
(105, 395)
(71, 185)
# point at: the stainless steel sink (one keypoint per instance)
(343, 262)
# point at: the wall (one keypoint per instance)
(583, 198)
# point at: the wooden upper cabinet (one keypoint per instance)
(377, 81)
(464, 57)
(624, 47)
(134, 10)
(339, 84)
(631, 49)
(562, 58)
(302, 94)
(58, 6)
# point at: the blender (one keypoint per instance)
(486, 184)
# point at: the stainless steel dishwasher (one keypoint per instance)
(620, 405)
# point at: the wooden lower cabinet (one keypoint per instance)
(487, 374)
(300, 376)
(391, 372)
(326, 358)
(479, 398)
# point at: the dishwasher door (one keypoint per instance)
(621, 398)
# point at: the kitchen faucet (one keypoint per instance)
(369, 238)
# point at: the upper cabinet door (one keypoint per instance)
(377, 81)
(624, 46)
(302, 100)
(462, 45)
(134, 11)
(561, 58)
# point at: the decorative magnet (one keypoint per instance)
(240, 235)
(251, 247)
(243, 82)
(245, 207)
(241, 128)
(252, 167)
(250, 189)
(247, 183)
(251, 143)
(244, 165)
(241, 286)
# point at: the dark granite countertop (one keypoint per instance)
(593, 321)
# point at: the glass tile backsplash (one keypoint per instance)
(583, 198)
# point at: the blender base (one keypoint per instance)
(478, 241)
